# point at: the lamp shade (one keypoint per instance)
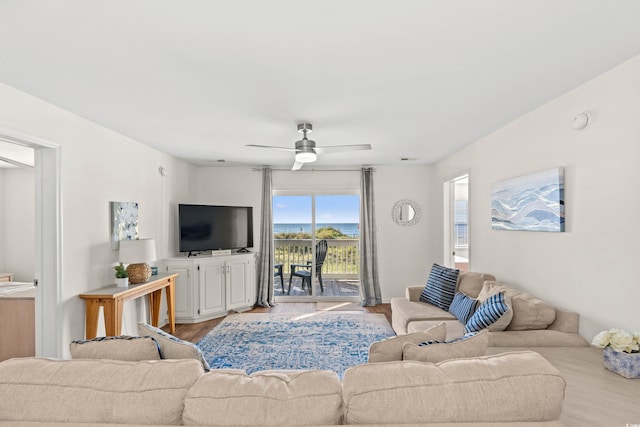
(137, 251)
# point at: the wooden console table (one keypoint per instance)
(111, 299)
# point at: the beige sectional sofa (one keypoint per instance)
(535, 322)
(515, 389)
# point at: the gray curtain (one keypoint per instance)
(371, 294)
(265, 260)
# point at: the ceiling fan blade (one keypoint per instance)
(340, 148)
(271, 147)
(296, 166)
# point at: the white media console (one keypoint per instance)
(211, 286)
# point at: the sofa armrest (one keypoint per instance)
(566, 321)
(412, 293)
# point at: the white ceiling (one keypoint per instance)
(199, 79)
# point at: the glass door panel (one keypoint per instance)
(460, 231)
(337, 222)
(292, 241)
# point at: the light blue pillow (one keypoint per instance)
(441, 286)
(494, 314)
(463, 307)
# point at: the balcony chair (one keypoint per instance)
(304, 270)
(277, 271)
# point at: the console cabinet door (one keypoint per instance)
(240, 283)
(212, 287)
(184, 297)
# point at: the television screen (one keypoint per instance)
(205, 227)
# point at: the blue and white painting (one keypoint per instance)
(532, 202)
(124, 222)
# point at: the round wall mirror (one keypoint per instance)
(406, 212)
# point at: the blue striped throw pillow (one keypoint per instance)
(463, 306)
(493, 314)
(441, 286)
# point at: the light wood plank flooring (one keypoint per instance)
(332, 287)
(193, 332)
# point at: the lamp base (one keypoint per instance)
(138, 273)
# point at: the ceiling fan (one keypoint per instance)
(306, 150)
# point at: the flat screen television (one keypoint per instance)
(208, 227)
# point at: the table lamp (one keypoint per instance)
(138, 253)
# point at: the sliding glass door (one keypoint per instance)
(317, 247)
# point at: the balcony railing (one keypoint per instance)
(342, 261)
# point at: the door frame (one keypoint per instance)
(48, 240)
(449, 219)
(313, 194)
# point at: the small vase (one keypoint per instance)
(625, 364)
(122, 282)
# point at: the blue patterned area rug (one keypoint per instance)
(320, 340)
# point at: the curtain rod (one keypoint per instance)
(313, 170)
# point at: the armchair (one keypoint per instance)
(304, 270)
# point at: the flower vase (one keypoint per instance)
(122, 282)
(625, 364)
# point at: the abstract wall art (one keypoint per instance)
(124, 222)
(533, 202)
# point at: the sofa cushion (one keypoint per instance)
(509, 387)
(404, 312)
(172, 347)
(470, 282)
(463, 306)
(266, 398)
(116, 348)
(494, 314)
(96, 391)
(455, 329)
(391, 349)
(473, 344)
(440, 287)
(529, 312)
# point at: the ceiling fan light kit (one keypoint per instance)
(306, 150)
(306, 157)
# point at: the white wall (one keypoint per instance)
(98, 166)
(404, 255)
(2, 226)
(590, 267)
(17, 221)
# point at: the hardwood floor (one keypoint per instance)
(193, 332)
(332, 288)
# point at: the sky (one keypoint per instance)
(329, 209)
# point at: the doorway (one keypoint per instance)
(457, 249)
(316, 247)
(48, 248)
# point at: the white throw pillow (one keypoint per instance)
(471, 345)
(172, 347)
(390, 350)
(116, 348)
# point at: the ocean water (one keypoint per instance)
(348, 229)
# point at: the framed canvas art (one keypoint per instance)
(124, 222)
(533, 202)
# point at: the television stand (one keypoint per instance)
(193, 253)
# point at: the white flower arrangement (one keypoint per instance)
(618, 340)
